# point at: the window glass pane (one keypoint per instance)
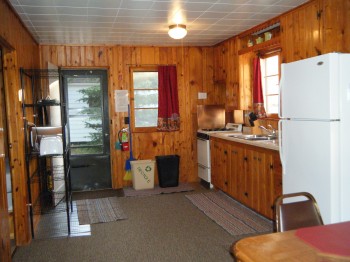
(145, 80)
(272, 104)
(272, 86)
(146, 98)
(77, 150)
(85, 115)
(146, 117)
(272, 65)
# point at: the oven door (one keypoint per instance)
(203, 151)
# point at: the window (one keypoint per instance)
(145, 97)
(270, 83)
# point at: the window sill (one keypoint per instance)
(271, 117)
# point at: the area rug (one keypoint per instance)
(235, 218)
(100, 210)
(130, 192)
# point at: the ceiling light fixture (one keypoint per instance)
(177, 31)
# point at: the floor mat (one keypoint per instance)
(235, 218)
(130, 192)
(55, 225)
(100, 210)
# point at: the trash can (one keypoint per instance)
(168, 170)
(142, 174)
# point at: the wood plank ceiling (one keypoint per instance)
(143, 22)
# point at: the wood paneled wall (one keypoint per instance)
(20, 50)
(317, 27)
(195, 70)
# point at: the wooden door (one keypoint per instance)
(245, 178)
(236, 168)
(4, 217)
(258, 186)
(219, 164)
(270, 183)
(336, 30)
(302, 32)
(214, 158)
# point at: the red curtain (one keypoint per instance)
(258, 97)
(168, 101)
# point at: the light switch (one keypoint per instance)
(202, 95)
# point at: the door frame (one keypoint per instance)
(104, 73)
(5, 248)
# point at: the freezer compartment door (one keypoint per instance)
(309, 89)
(310, 160)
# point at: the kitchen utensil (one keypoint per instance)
(267, 36)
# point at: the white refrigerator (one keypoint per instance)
(314, 132)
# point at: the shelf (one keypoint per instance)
(41, 73)
(50, 202)
(49, 175)
(273, 43)
(55, 174)
(48, 103)
(43, 104)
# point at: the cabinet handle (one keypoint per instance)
(246, 194)
(245, 158)
(225, 152)
(226, 183)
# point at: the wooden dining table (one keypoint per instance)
(326, 243)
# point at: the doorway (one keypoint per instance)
(86, 96)
(5, 168)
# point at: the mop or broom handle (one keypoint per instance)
(130, 136)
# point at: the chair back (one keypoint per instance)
(294, 215)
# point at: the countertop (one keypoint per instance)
(268, 144)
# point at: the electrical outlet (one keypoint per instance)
(202, 95)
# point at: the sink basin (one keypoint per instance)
(254, 137)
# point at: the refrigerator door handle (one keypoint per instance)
(280, 145)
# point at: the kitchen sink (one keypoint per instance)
(254, 137)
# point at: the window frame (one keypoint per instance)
(277, 53)
(132, 99)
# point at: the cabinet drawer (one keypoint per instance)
(204, 173)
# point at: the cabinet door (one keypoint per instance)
(276, 178)
(266, 185)
(302, 32)
(219, 162)
(270, 184)
(258, 179)
(244, 178)
(214, 158)
(236, 168)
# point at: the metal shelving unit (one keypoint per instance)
(44, 172)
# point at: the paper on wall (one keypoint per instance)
(121, 100)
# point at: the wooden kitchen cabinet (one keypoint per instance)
(235, 169)
(219, 159)
(252, 175)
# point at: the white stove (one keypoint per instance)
(203, 148)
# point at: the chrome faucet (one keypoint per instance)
(269, 130)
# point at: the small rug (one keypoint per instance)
(100, 210)
(130, 192)
(232, 216)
